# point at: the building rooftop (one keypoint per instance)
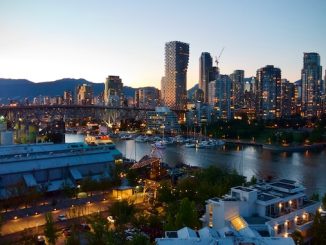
(25, 158)
(283, 185)
(209, 236)
(265, 197)
(243, 188)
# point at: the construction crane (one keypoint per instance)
(217, 59)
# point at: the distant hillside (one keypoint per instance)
(190, 92)
(20, 89)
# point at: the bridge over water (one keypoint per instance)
(109, 114)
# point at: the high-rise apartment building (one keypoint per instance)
(237, 78)
(311, 75)
(269, 92)
(205, 70)
(113, 91)
(174, 84)
(297, 96)
(67, 97)
(84, 94)
(287, 93)
(147, 97)
(220, 96)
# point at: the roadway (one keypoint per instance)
(20, 224)
(89, 206)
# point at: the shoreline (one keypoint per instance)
(278, 148)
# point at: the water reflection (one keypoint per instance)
(308, 168)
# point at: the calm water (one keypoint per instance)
(309, 168)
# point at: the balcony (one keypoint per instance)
(307, 206)
(300, 219)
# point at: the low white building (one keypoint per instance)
(263, 214)
(210, 236)
(272, 209)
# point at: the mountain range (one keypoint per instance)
(19, 89)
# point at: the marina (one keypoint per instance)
(306, 167)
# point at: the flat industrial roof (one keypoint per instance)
(58, 162)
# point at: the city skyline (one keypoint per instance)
(44, 41)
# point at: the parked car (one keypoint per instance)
(85, 227)
(66, 231)
(62, 217)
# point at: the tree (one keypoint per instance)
(323, 201)
(100, 234)
(1, 223)
(140, 239)
(170, 223)
(297, 237)
(27, 238)
(67, 190)
(49, 229)
(123, 212)
(165, 193)
(99, 230)
(253, 180)
(187, 215)
(73, 239)
(318, 229)
(315, 197)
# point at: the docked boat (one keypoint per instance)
(219, 142)
(190, 145)
(98, 140)
(126, 137)
(159, 145)
(141, 139)
(209, 144)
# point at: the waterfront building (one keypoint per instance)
(174, 83)
(205, 69)
(297, 96)
(276, 209)
(237, 78)
(311, 75)
(84, 94)
(269, 92)
(162, 119)
(113, 91)
(199, 116)
(220, 97)
(287, 93)
(49, 167)
(147, 97)
(249, 100)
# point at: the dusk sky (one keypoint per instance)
(48, 40)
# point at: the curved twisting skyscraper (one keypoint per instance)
(174, 84)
